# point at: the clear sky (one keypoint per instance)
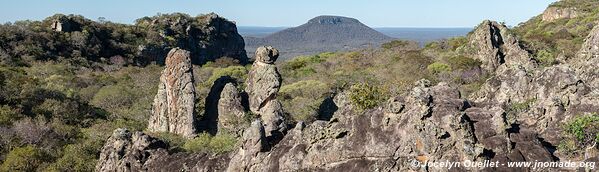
(375, 13)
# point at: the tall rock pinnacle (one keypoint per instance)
(263, 84)
(173, 109)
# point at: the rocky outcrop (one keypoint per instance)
(174, 105)
(587, 59)
(494, 45)
(62, 23)
(253, 142)
(263, 84)
(126, 151)
(208, 37)
(556, 13)
(230, 110)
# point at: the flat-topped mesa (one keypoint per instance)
(493, 45)
(263, 84)
(174, 107)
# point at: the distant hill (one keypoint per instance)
(320, 34)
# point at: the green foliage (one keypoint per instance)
(26, 158)
(365, 96)
(584, 128)
(8, 115)
(204, 142)
(113, 97)
(545, 57)
(78, 157)
(457, 42)
(580, 133)
(463, 62)
(173, 140)
(438, 67)
(237, 72)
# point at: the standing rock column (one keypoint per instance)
(174, 107)
(263, 84)
(230, 109)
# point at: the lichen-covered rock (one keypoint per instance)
(587, 59)
(252, 143)
(556, 13)
(263, 84)
(493, 45)
(126, 151)
(230, 110)
(174, 107)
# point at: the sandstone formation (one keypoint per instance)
(230, 110)
(263, 84)
(174, 105)
(556, 13)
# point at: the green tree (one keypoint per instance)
(26, 158)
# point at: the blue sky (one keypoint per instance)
(375, 13)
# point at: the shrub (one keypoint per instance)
(237, 72)
(456, 42)
(8, 115)
(545, 57)
(462, 62)
(584, 128)
(365, 96)
(78, 157)
(112, 97)
(580, 132)
(438, 67)
(26, 158)
(173, 140)
(220, 143)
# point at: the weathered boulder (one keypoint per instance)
(230, 110)
(556, 13)
(263, 84)
(126, 151)
(253, 142)
(493, 45)
(174, 105)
